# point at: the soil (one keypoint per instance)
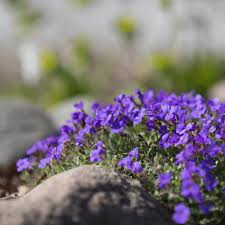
(11, 186)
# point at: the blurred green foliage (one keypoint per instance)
(18, 3)
(87, 73)
(59, 78)
(127, 27)
(81, 2)
(83, 74)
(27, 17)
(184, 74)
(48, 61)
(81, 53)
(166, 3)
(59, 81)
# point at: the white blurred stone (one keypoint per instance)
(29, 56)
(218, 91)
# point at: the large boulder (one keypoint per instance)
(21, 125)
(87, 195)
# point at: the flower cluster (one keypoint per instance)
(181, 214)
(96, 154)
(164, 179)
(129, 164)
(177, 142)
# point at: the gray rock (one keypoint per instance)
(21, 124)
(87, 195)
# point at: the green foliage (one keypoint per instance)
(27, 17)
(17, 3)
(49, 61)
(58, 81)
(127, 27)
(166, 3)
(81, 53)
(198, 73)
(81, 2)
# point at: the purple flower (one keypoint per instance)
(55, 152)
(119, 125)
(171, 112)
(126, 163)
(65, 129)
(164, 179)
(24, 164)
(133, 153)
(97, 154)
(181, 128)
(79, 117)
(164, 143)
(136, 167)
(79, 105)
(150, 125)
(145, 98)
(209, 182)
(163, 129)
(186, 154)
(212, 129)
(62, 139)
(129, 162)
(41, 145)
(89, 127)
(213, 150)
(95, 106)
(181, 214)
(80, 137)
(44, 162)
(183, 139)
(206, 208)
(190, 189)
(198, 110)
(136, 115)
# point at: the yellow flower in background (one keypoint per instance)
(48, 61)
(127, 27)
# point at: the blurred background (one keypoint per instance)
(55, 52)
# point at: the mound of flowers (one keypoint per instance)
(174, 144)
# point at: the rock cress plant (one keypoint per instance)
(174, 144)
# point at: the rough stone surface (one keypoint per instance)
(87, 195)
(21, 124)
